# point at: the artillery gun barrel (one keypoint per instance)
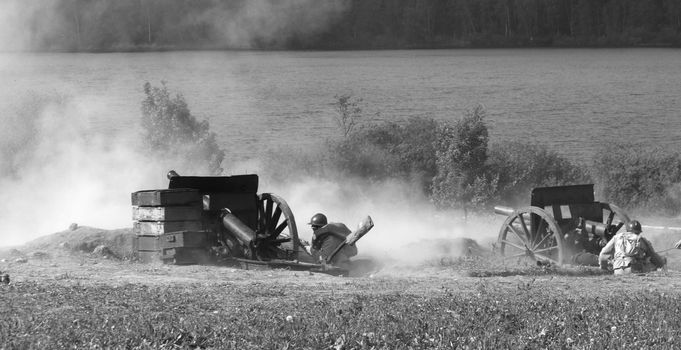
(595, 227)
(237, 228)
(502, 210)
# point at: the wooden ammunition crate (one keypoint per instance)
(193, 247)
(149, 256)
(186, 255)
(169, 197)
(179, 256)
(179, 213)
(148, 243)
(157, 228)
(188, 239)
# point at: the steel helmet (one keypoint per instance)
(634, 226)
(318, 219)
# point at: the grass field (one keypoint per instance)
(65, 299)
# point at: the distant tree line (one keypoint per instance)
(115, 25)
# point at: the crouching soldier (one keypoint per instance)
(630, 252)
(326, 237)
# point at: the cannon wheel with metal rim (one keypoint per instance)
(531, 232)
(276, 225)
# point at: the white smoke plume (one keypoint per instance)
(407, 228)
(56, 170)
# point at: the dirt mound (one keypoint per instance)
(104, 252)
(112, 243)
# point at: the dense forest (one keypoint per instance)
(121, 25)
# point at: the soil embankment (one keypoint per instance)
(92, 255)
(91, 297)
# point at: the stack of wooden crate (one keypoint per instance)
(170, 227)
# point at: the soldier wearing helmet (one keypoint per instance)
(326, 237)
(630, 252)
(317, 221)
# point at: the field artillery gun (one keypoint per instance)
(223, 220)
(562, 225)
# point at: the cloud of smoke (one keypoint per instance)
(408, 229)
(57, 171)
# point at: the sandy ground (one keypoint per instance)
(67, 258)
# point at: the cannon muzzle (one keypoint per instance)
(502, 210)
(593, 227)
(237, 229)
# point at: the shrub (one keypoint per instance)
(20, 134)
(283, 164)
(460, 161)
(171, 131)
(403, 150)
(474, 176)
(450, 162)
(518, 167)
(647, 179)
(348, 113)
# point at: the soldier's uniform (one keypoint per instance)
(627, 260)
(327, 238)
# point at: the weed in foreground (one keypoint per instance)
(142, 317)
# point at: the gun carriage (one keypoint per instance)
(562, 225)
(220, 220)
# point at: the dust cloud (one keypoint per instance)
(408, 229)
(55, 170)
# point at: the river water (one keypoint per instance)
(573, 100)
(77, 170)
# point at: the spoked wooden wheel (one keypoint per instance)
(614, 218)
(531, 232)
(276, 225)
